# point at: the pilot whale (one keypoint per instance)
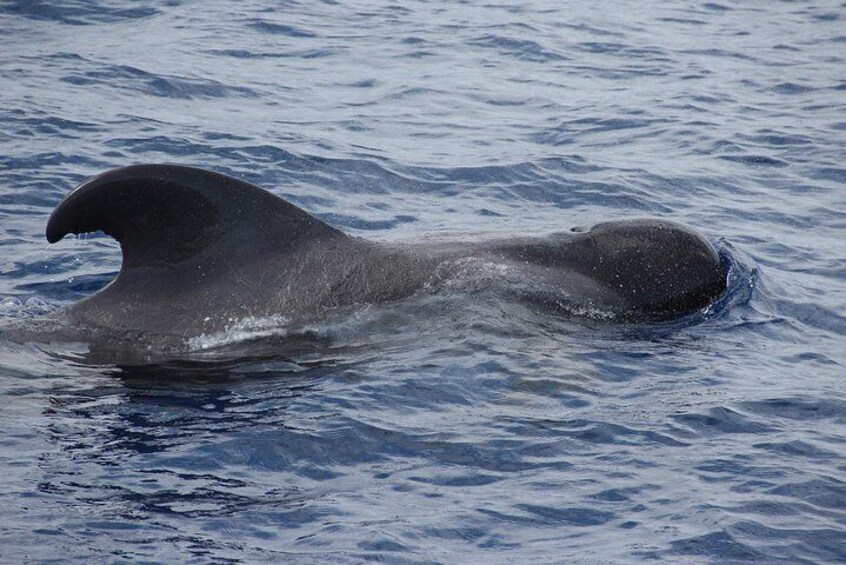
(201, 249)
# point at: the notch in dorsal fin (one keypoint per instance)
(166, 214)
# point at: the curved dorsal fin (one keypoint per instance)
(166, 214)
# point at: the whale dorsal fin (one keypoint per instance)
(166, 214)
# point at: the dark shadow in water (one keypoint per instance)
(162, 446)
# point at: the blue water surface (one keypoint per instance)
(458, 427)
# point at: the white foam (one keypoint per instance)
(588, 310)
(241, 330)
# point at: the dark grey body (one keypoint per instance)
(202, 250)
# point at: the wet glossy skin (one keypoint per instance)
(201, 250)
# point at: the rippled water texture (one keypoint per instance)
(458, 428)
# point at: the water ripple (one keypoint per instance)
(460, 425)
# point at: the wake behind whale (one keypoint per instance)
(202, 252)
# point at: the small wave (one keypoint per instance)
(77, 13)
(274, 28)
(523, 49)
(18, 309)
(163, 86)
(755, 160)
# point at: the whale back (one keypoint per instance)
(196, 245)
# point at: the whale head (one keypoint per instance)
(658, 268)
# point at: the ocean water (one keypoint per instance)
(456, 427)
